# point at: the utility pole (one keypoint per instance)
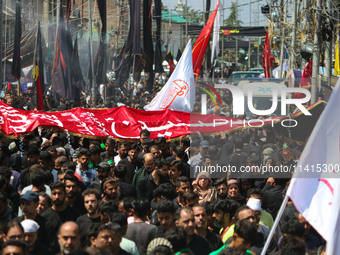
(316, 53)
(222, 65)
(249, 55)
(328, 55)
(283, 34)
(292, 48)
(1, 26)
(93, 88)
(186, 21)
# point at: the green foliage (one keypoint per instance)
(194, 16)
(232, 19)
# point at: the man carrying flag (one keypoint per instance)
(179, 92)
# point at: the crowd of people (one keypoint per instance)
(62, 194)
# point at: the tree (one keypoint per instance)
(194, 16)
(232, 19)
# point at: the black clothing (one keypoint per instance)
(40, 249)
(146, 186)
(272, 200)
(53, 222)
(79, 204)
(199, 245)
(85, 223)
(126, 190)
(132, 168)
(96, 185)
(214, 240)
(134, 231)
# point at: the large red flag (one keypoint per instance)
(267, 58)
(198, 50)
(306, 79)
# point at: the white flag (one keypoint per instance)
(179, 91)
(315, 187)
(216, 35)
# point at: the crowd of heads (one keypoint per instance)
(61, 193)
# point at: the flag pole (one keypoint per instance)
(276, 223)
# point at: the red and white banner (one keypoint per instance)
(126, 123)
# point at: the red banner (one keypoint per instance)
(126, 123)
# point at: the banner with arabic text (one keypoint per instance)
(126, 123)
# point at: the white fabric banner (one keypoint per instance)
(216, 36)
(315, 187)
(179, 91)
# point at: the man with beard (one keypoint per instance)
(182, 186)
(201, 229)
(224, 211)
(111, 190)
(109, 149)
(57, 214)
(148, 167)
(176, 169)
(33, 156)
(107, 239)
(123, 150)
(28, 205)
(74, 198)
(132, 163)
(86, 173)
(103, 173)
(221, 188)
(197, 244)
(146, 185)
(31, 238)
(69, 238)
(91, 218)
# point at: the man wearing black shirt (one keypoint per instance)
(110, 149)
(73, 196)
(132, 163)
(148, 183)
(197, 244)
(103, 173)
(91, 218)
(201, 229)
(57, 214)
(28, 204)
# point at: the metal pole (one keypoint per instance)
(316, 54)
(91, 60)
(258, 53)
(249, 56)
(328, 55)
(1, 25)
(222, 65)
(236, 53)
(283, 36)
(186, 21)
(276, 223)
(58, 18)
(292, 50)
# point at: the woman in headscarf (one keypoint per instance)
(203, 188)
(234, 192)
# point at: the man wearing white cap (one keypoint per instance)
(255, 205)
(31, 233)
(265, 218)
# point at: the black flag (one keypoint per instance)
(147, 38)
(16, 66)
(89, 74)
(39, 59)
(158, 57)
(77, 80)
